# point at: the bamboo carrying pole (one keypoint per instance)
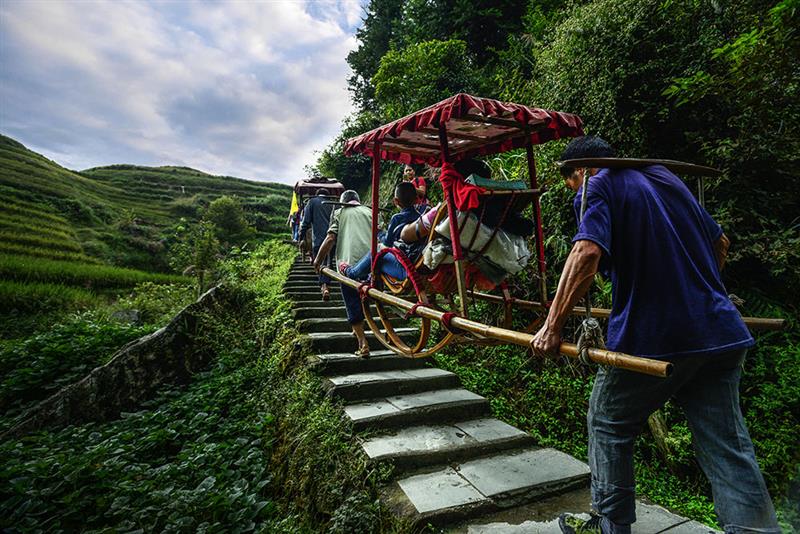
(601, 356)
(754, 323)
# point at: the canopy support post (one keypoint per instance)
(376, 178)
(537, 221)
(455, 237)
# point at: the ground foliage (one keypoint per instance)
(707, 82)
(251, 444)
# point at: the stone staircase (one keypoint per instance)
(456, 466)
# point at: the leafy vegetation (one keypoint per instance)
(251, 443)
(41, 364)
(675, 79)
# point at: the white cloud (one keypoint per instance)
(248, 89)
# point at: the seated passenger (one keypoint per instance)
(405, 196)
(495, 252)
(420, 228)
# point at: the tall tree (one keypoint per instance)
(375, 37)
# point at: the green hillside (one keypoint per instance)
(72, 241)
(114, 215)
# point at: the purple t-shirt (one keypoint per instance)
(658, 245)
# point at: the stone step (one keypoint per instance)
(312, 285)
(361, 386)
(310, 310)
(335, 324)
(307, 296)
(302, 277)
(318, 304)
(347, 363)
(327, 342)
(417, 408)
(418, 446)
(483, 485)
(650, 519)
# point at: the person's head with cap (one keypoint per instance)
(350, 197)
(587, 146)
(322, 192)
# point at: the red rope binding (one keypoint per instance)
(413, 311)
(408, 265)
(447, 323)
(363, 290)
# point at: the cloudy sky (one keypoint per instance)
(241, 88)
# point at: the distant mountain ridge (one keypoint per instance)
(113, 214)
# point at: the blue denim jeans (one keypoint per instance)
(352, 305)
(707, 389)
(388, 265)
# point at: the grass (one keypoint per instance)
(39, 241)
(53, 254)
(35, 297)
(27, 269)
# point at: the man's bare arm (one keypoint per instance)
(721, 247)
(576, 278)
(413, 231)
(324, 249)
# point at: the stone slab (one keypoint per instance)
(488, 428)
(339, 356)
(366, 378)
(368, 410)
(318, 312)
(435, 491)
(650, 519)
(347, 363)
(430, 398)
(514, 473)
(417, 438)
(399, 403)
(348, 335)
(368, 385)
(431, 438)
(528, 527)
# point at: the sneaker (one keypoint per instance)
(573, 524)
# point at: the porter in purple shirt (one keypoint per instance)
(658, 246)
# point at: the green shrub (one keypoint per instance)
(227, 216)
(157, 303)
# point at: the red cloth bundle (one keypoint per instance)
(465, 195)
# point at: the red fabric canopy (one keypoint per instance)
(475, 126)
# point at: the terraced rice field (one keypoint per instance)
(62, 233)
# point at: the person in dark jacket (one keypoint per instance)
(664, 254)
(317, 217)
